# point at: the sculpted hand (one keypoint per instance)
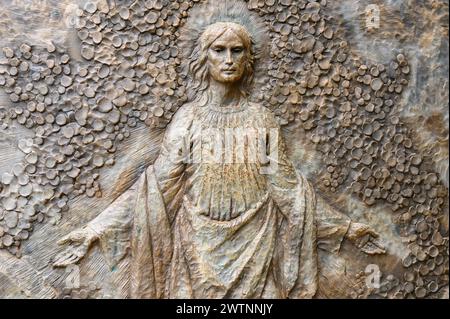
(365, 238)
(78, 242)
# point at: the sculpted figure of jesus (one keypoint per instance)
(242, 226)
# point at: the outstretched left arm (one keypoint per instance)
(332, 226)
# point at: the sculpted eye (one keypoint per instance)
(218, 49)
(238, 50)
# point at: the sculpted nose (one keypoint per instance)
(229, 58)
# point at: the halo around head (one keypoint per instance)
(221, 11)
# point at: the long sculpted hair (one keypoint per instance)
(209, 21)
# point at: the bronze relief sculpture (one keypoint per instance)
(223, 212)
(216, 229)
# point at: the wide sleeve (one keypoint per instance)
(170, 165)
(307, 222)
(285, 181)
(113, 225)
(296, 251)
(332, 227)
(159, 198)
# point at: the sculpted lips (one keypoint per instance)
(228, 71)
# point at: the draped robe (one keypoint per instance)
(201, 229)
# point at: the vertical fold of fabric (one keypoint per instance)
(151, 241)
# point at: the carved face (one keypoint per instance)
(227, 58)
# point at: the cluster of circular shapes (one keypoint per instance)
(349, 110)
(368, 150)
(37, 82)
(79, 110)
(131, 72)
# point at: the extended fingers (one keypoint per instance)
(374, 251)
(68, 259)
(65, 240)
(379, 246)
(72, 259)
(73, 237)
(62, 259)
(362, 241)
(373, 247)
(373, 233)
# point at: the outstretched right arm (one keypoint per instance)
(112, 225)
(116, 218)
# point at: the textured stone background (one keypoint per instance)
(418, 30)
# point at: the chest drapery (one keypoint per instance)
(271, 247)
(227, 150)
(210, 258)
